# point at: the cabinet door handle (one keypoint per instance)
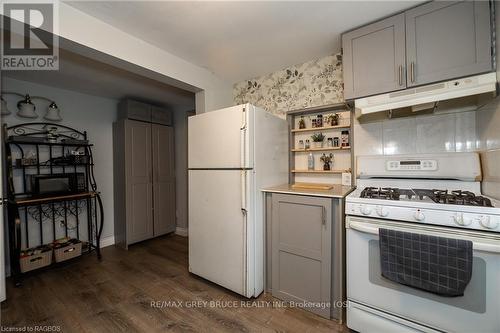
(400, 73)
(323, 215)
(412, 72)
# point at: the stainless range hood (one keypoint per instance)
(425, 96)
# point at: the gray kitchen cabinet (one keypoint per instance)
(163, 179)
(436, 41)
(161, 116)
(302, 250)
(446, 40)
(135, 110)
(144, 181)
(374, 58)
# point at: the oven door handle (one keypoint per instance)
(476, 245)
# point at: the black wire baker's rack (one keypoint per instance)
(34, 219)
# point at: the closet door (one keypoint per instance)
(139, 181)
(163, 179)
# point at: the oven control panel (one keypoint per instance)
(411, 165)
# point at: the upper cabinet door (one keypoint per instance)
(374, 58)
(446, 40)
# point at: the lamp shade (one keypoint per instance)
(26, 108)
(53, 113)
(4, 111)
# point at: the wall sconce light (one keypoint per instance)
(4, 111)
(26, 108)
(53, 113)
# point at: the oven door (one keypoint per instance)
(478, 310)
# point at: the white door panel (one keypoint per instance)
(221, 139)
(218, 236)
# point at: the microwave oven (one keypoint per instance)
(57, 183)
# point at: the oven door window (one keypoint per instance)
(479, 307)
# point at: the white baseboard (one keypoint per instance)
(181, 231)
(107, 241)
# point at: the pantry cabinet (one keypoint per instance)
(433, 42)
(144, 180)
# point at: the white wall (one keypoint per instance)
(211, 92)
(488, 128)
(83, 112)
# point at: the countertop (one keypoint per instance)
(338, 191)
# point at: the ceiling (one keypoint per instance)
(88, 76)
(240, 40)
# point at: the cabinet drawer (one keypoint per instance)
(161, 116)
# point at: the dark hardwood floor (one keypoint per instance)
(115, 295)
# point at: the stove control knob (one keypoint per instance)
(460, 220)
(365, 210)
(419, 216)
(382, 211)
(487, 223)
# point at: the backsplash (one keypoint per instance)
(314, 83)
(437, 133)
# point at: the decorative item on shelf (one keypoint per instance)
(302, 123)
(5, 109)
(329, 142)
(333, 119)
(314, 123)
(301, 144)
(53, 113)
(318, 139)
(308, 144)
(327, 160)
(319, 121)
(26, 108)
(52, 134)
(336, 141)
(310, 162)
(345, 139)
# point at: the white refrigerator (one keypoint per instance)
(232, 154)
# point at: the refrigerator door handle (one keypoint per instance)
(244, 192)
(243, 138)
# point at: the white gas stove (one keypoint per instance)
(435, 195)
(429, 189)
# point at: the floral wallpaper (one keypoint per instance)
(314, 83)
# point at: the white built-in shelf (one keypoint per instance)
(319, 129)
(320, 171)
(320, 149)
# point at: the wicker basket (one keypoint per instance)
(68, 251)
(34, 261)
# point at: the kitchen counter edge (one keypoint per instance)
(338, 191)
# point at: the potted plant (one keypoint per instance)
(318, 139)
(327, 160)
(333, 119)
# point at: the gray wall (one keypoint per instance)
(84, 112)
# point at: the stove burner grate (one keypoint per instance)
(457, 197)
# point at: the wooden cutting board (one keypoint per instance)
(311, 186)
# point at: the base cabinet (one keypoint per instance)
(305, 255)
